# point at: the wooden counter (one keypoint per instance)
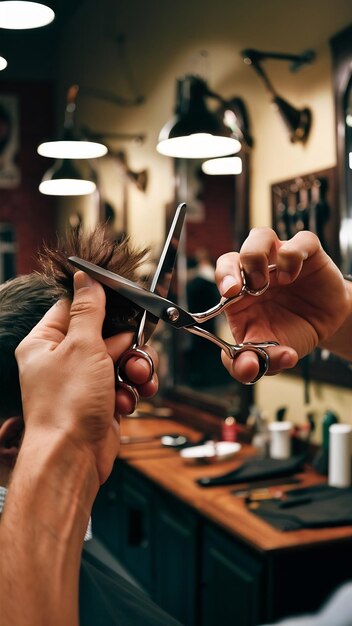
(199, 551)
(166, 468)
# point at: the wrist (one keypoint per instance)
(48, 504)
(56, 478)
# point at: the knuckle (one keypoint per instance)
(83, 306)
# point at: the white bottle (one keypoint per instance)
(340, 437)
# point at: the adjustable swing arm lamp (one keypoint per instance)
(298, 122)
(197, 132)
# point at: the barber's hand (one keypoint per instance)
(67, 375)
(306, 303)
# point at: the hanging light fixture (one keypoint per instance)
(297, 121)
(23, 15)
(195, 132)
(84, 144)
(64, 179)
(71, 145)
(223, 166)
(3, 63)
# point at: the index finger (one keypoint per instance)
(228, 274)
(258, 251)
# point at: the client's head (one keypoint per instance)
(25, 299)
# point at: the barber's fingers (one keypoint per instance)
(118, 344)
(137, 369)
(228, 275)
(263, 247)
(245, 366)
(125, 401)
(293, 253)
(87, 308)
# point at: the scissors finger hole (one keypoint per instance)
(136, 365)
(127, 397)
(263, 362)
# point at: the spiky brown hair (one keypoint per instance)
(25, 299)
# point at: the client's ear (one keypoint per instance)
(11, 432)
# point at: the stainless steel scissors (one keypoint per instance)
(160, 285)
(158, 307)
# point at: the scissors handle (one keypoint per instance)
(233, 350)
(204, 316)
(121, 381)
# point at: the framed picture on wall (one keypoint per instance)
(10, 175)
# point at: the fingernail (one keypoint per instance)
(284, 278)
(227, 283)
(81, 279)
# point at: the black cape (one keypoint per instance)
(108, 598)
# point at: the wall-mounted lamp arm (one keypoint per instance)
(96, 136)
(297, 121)
(253, 57)
(74, 90)
(109, 96)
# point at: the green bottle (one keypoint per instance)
(328, 419)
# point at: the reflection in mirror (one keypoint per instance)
(217, 220)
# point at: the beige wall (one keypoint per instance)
(164, 41)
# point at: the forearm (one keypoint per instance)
(341, 342)
(42, 530)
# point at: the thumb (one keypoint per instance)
(88, 307)
(49, 332)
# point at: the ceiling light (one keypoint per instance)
(3, 63)
(64, 179)
(22, 15)
(223, 166)
(72, 149)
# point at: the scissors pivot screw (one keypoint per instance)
(172, 313)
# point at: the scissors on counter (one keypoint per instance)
(157, 307)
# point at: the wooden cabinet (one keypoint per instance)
(231, 582)
(137, 528)
(176, 559)
(196, 572)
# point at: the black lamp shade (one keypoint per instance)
(297, 121)
(64, 179)
(194, 131)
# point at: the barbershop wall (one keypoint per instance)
(165, 40)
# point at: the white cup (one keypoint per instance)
(340, 455)
(280, 440)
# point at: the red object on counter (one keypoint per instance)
(229, 429)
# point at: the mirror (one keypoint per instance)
(217, 220)
(219, 209)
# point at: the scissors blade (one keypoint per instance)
(151, 302)
(163, 274)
